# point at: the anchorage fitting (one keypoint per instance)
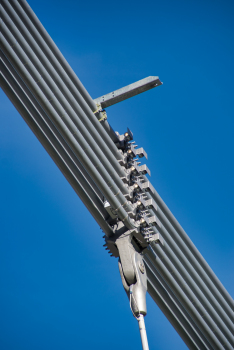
(134, 279)
(136, 292)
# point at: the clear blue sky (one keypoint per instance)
(59, 289)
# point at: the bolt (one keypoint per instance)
(142, 267)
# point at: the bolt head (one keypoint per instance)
(142, 267)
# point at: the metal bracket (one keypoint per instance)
(126, 253)
(101, 112)
(136, 291)
(133, 275)
(128, 91)
(137, 294)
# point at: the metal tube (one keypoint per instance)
(44, 122)
(191, 289)
(201, 265)
(193, 267)
(192, 278)
(199, 253)
(210, 330)
(189, 273)
(45, 36)
(141, 323)
(72, 76)
(195, 270)
(63, 95)
(64, 70)
(109, 131)
(102, 179)
(78, 136)
(34, 33)
(52, 151)
(173, 309)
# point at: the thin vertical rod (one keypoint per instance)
(141, 323)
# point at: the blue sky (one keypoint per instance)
(59, 289)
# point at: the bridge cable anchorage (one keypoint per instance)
(136, 292)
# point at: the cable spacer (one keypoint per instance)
(101, 111)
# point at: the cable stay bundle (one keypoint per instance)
(104, 168)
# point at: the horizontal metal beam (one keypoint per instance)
(128, 91)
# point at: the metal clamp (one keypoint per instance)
(137, 294)
(100, 111)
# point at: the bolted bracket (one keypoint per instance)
(100, 113)
(139, 289)
(126, 253)
(137, 293)
(136, 287)
(128, 91)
